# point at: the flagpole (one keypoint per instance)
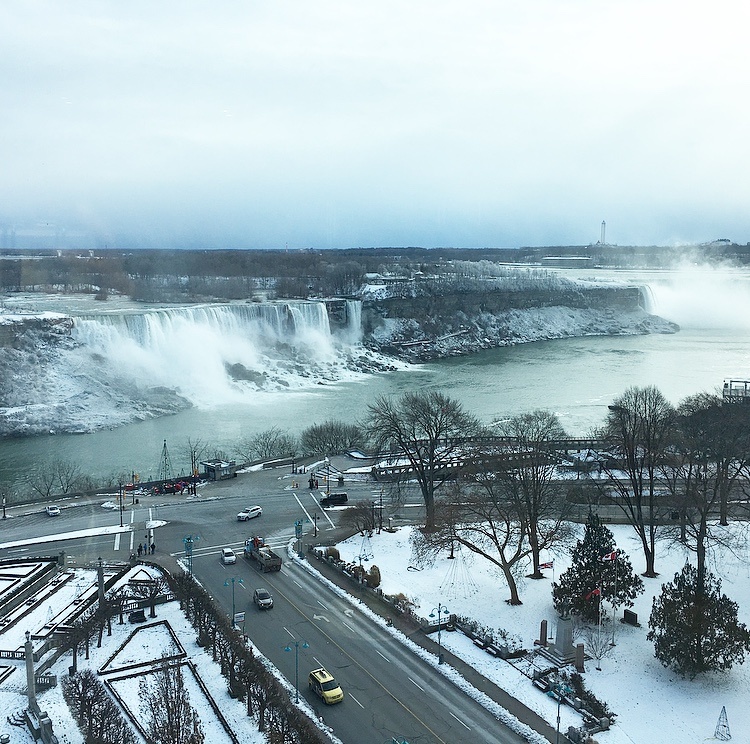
(614, 606)
(599, 636)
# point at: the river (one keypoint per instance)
(576, 378)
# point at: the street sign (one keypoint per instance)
(239, 617)
(298, 529)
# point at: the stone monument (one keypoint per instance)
(562, 652)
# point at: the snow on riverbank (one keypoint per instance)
(109, 365)
(646, 697)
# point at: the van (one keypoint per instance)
(334, 499)
(325, 686)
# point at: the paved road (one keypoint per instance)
(389, 691)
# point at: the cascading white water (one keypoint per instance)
(354, 321)
(212, 354)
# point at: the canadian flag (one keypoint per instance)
(548, 564)
(594, 593)
(610, 556)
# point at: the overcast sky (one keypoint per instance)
(314, 123)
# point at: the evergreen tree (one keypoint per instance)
(596, 568)
(696, 631)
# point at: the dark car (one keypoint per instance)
(334, 499)
(263, 599)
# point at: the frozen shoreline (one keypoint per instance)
(54, 380)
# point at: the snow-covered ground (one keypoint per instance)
(646, 697)
(143, 645)
(651, 703)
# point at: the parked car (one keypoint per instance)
(263, 599)
(250, 513)
(325, 686)
(228, 556)
(53, 511)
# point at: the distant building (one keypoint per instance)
(736, 391)
(567, 262)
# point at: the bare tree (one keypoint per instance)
(596, 639)
(431, 431)
(487, 520)
(360, 516)
(57, 477)
(269, 444)
(330, 438)
(95, 712)
(151, 590)
(533, 469)
(640, 426)
(710, 457)
(169, 718)
(195, 450)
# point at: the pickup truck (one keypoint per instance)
(257, 550)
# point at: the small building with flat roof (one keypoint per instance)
(219, 469)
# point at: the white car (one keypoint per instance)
(250, 513)
(228, 556)
(53, 511)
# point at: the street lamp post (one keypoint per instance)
(315, 524)
(305, 644)
(559, 689)
(226, 583)
(441, 609)
(120, 499)
(4, 516)
(328, 476)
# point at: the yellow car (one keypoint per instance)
(325, 686)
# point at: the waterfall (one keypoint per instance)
(354, 321)
(215, 352)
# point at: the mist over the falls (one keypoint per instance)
(702, 296)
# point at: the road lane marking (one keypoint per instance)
(117, 542)
(356, 701)
(321, 604)
(460, 721)
(438, 739)
(415, 684)
(349, 626)
(320, 617)
(385, 657)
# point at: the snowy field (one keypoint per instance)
(646, 697)
(136, 659)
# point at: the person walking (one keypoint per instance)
(140, 550)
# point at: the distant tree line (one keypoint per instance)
(185, 275)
